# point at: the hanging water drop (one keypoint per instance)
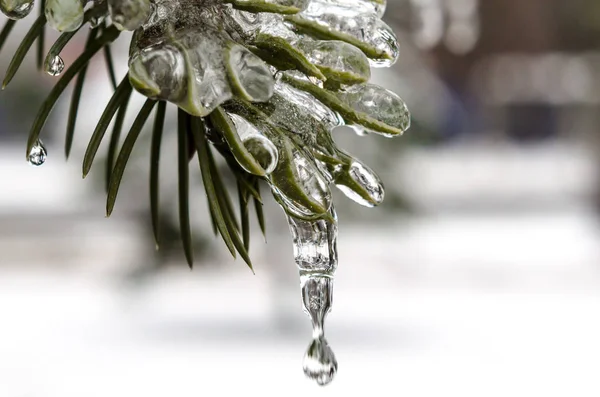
(38, 154)
(16, 9)
(55, 67)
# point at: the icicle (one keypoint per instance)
(319, 361)
(315, 251)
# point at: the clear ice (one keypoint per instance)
(38, 154)
(263, 150)
(64, 15)
(129, 14)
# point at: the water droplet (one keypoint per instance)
(16, 9)
(319, 362)
(56, 66)
(38, 154)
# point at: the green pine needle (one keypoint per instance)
(126, 149)
(120, 96)
(110, 66)
(157, 134)
(260, 216)
(41, 40)
(33, 33)
(114, 139)
(183, 130)
(199, 133)
(228, 213)
(243, 199)
(75, 99)
(8, 27)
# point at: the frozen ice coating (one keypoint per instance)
(299, 112)
(298, 184)
(249, 74)
(359, 183)
(263, 150)
(187, 69)
(129, 14)
(271, 80)
(184, 55)
(337, 60)
(290, 107)
(379, 104)
(64, 15)
(358, 7)
(16, 9)
(280, 6)
(365, 30)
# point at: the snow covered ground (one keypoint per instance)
(455, 305)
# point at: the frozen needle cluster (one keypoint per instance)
(263, 82)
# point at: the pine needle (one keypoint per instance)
(154, 169)
(183, 123)
(75, 99)
(23, 49)
(126, 149)
(120, 96)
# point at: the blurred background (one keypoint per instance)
(480, 275)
